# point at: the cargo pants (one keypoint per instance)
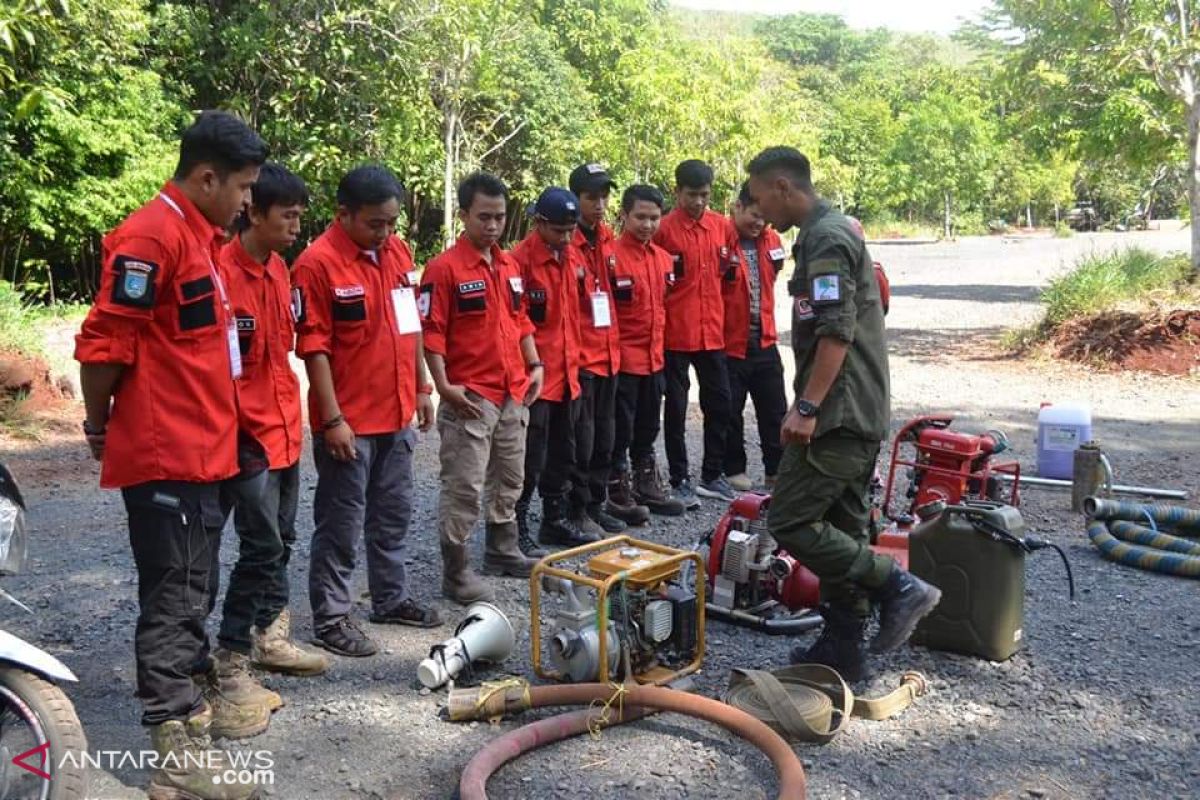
(820, 514)
(482, 460)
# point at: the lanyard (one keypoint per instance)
(212, 268)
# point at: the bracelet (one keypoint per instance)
(535, 365)
(425, 389)
(333, 423)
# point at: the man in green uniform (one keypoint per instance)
(819, 511)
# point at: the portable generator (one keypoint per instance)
(754, 583)
(628, 604)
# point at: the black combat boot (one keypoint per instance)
(525, 540)
(841, 646)
(557, 526)
(903, 600)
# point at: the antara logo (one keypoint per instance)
(43, 753)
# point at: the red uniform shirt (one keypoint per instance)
(346, 310)
(601, 346)
(639, 280)
(736, 283)
(160, 313)
(552, 304)
(268, 393)
(475, 319)
(700, 251)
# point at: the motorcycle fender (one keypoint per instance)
(21, 653)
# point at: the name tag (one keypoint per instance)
(623, 283)
(344, 292)
(471, 287)
(411, 277)
(601, 312)
(404, 303)
(515, 284)
(777, 254)
(246, 324)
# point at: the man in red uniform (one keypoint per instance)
(601, 344)
(548, 270)
(697, 240)
(159, 356)
(359, 334)
(641, 276)
(755, 368)
(255, 620)
(484, 361)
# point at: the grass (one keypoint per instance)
(885, 228)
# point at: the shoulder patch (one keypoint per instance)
(425, 300)
(297, 304)
(827, 289)
(133, 284)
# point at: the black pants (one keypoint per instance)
(550, 448)
(594, 435)
(714, 404)
(759, 375)
(264, 516)
(639, 400)
(175, 535)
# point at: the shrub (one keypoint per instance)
(1100, 282)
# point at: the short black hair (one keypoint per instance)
(276, 186)
(744, 198)
(788, 160)
(641, 191)
(222, 140)
(480, 183)
(693, 174)
(368, 185)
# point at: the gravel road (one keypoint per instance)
(1099, 703)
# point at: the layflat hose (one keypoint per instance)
(494, 700)
(1114, 527)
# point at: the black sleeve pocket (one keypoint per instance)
(623, 290)
(197, 288)
(472, 303)
(199, 314)
(350, 310)
(537, 306)
(133, 284)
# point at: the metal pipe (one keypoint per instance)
(790, 626)
(1143, 491)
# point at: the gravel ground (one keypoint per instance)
(1097, 704)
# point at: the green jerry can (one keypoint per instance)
(970, 553)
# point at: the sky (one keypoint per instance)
(936, 16)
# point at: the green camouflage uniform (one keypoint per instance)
(820, 511)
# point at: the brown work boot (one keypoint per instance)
(189, 767)
(231, 720)
(273, 649)
(502, 553)
(648, 490)
(238, 682)
(585, 523)
(621, 503)
(459, 583)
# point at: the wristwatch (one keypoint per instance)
(88, 430)
(805, 408)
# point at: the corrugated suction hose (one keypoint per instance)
(1114, 526)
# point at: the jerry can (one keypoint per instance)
(966, 551)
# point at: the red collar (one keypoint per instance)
(199, 225)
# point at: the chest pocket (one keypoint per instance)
(537, 305)
(471, 298)
(247, 326)
(777, 257)
(349, 304)
(623, 289)
(197, 304)
(728, 263)
(677, 260)
(516, 292)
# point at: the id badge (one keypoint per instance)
(235, 350)
(404, 303)
(601, 311)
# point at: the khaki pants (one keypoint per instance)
(482, 460)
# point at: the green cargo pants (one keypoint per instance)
(820, 514)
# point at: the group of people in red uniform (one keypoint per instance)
(553, 364)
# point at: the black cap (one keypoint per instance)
(557, 206)
(590, 178)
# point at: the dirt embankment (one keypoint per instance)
(1160, 341)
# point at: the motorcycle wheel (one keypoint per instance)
(35, 715)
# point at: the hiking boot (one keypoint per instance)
(189, 767)
(525, 541)
(621, 503)
(459, 583)
(273, 649)
(649, 491)
(717, 489)
(607, 522)
(502, 552)
(589, 526)
(841, 646)
(903, 600)
(345, 638)
(410, 612)
(230, 720)
(238, 682)
(558, 528)
(740, 482)
(685, 494)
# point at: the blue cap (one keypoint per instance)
(557, 206)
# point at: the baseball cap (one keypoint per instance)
(557, 206)
(590, 178)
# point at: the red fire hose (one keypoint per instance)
(491, 701)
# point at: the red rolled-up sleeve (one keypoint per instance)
(435, 306)
(314, 327)
(137, 273)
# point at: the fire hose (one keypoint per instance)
(493, 700)
(1113, 528)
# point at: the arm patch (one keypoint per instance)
(133, 284)
(827, 289)
(425, 300)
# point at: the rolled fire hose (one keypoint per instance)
(497, 699)
(1118, 528)
(799, 701)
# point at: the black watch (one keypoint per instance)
(805, 408)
